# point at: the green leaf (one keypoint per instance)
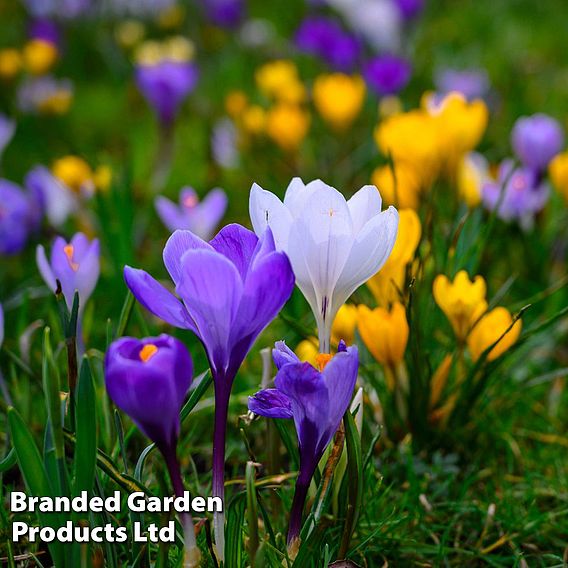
(234, 531)
(51, 387)
(252, 512)
(9, 461)
(125, 314)
(203, 381)
(86, 432)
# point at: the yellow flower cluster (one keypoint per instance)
(425, 143)
(76, 174)
(464, 303)
(37, 57)
(176, 48)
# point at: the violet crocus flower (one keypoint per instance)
(471, 83)
(316, 401)
(165, 85)
(536, 140)
(518, 194)
(17, 218)
(7, 129)
(325, 39)
(45, 30)
(75, 264)
(148, 374)
(201, 218)
(225, 13)
(409, 9)
(230, 288)
(387, 74)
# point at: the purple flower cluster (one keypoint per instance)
(225, 13)
(471, 83)
(387, 74)
(324, 38)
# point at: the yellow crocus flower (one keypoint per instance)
(338, 98)
(235, 103)
(74, 172)
(462, 300)
(558, 169)
(472, 173)
(253, 119)
(489, 329)
(279, 80)
(287, 125)
(10, 63)
(344, 324)
(401, 189)
(39, 56)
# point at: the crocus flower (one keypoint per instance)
(7, 129)
(471, 83)
(201, 218)
(41, 51)
(489, 329)
(287, 125)
(142, 376)
(75, 173)
(225, 13)
(462, 300)
(165, 84)
(400, 184)
(536, 140)
(56, 200)
(316, 401)
(75, 264)
(45, 95)
(517, 194)
(224, 143)
(558, 170)
(17, 218)
(409, 8)
(334, 245)
(387, 74)
(230, 290)
(339, 98)
(278, 80)
(472, 175)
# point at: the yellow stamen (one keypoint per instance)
(322, 359)
(147, 352)
(69, 250)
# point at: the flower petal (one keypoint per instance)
(45, 268)
(169, 213)
(237, 244)
(156, 299)
(178, 244)
(270, 403)
(282, 355)
(363, 206)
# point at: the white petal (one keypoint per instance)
(266, 209)
(364, 205)
(369, 252)
(295, 195)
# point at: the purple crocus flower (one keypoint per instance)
(75, 264)
(536, 140)
(471, 83)
(317, 401)
(44, 30)
(7, 129)
(387, 74)
(409, 9)
(225, 13)
(165, 85)
(148, 374)
(17, 218)
(518, 194)
(201, 218)
(230, 290)
(325, 39)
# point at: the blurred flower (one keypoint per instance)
(224, 143)
(1, 325)
(400, 187)
(471, 83)
(66, 9)
(225, 13)
(287, 125)
(536, 140)
(279, 80)
(409, 8)
(384, 332)
(387, 74)
(10, 63)
(334, 245)
(339, 98)
(129, 33)
(253, 120)
(461, 300)
(39, 56)
(7, 130)
(54, 198)
(326, 39)
(472, 175)
(165, 77)
(230, 290)
(343, 328)
(76, 264)
(45, 95)
(489, 329)
(558, 169)
(316, 401)
(235, 103)
(201, 218)
(517, 194)
(387, 284)
(75, 173)
(17, 217)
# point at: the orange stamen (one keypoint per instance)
(69, 250)
(322, 359)
(147, 352)
(190, 201)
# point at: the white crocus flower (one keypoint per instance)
(334, 245)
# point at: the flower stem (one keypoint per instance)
(300, 494)
(221, 412)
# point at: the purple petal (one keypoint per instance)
(169, 213)
(178, 244)
(209, 212)
(282, 355)
(270, 403)
(45, 268)
(88, 273)
(156, 299)
(238, 245)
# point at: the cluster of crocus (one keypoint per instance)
(142, 375)
(201, 218)
(42, 49)
(230, 290)
(387, 74)
(316, 399)
(334, 245)
(45, 95)
(471, 83)
(464, 303)
(166, 75)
